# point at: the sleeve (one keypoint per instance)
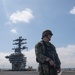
(57, 60)
(39, 53)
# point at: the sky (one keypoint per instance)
(29, 18)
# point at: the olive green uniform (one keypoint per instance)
(42, 53)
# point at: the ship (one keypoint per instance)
(18, 59)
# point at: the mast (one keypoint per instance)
(19, 42)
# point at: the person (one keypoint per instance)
(46, 55)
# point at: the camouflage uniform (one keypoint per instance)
(41, 55)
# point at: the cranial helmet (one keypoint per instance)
(46, 33)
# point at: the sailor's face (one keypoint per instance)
(49, 37)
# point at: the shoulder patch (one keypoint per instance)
(39, 44)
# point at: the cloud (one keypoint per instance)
(4, 63)
(72, 11)
(66, 55)
(22, 16)
(14, 31)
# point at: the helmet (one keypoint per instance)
(46, 33)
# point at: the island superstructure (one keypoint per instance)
(17, 59)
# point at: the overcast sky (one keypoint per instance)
(29, 18)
